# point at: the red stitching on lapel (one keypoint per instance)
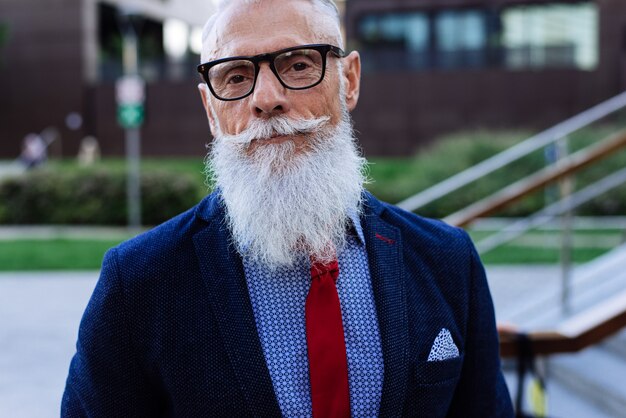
(385, 239)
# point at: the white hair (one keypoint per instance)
(326, 7)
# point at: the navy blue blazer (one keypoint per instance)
(170, 331)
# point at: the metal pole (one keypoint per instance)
(566, 186)
(566, 259)
(133, 180)
(133, 135)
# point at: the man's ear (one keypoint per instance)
(206, 96)
(352, 74)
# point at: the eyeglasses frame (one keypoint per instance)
(323, 49)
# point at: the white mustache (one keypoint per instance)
(259, 129)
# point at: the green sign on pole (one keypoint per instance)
(130, 115)
(130, 92)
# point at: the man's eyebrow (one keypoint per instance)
(229, 65)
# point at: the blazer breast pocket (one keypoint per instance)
(431, 387)
(429, 372)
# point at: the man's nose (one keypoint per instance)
(269, 96)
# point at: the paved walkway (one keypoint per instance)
(40, 313)
(39, 317)
(514, 286)
(10, 169)
(45, 232)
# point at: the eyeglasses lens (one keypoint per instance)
(297, 69)
(300, 68)
(232, 79)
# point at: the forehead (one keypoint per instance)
(248, 29)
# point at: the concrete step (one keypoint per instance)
(532, 298)
(595, 374)
(617, 345)
(561, 401)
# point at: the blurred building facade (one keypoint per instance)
(429, 67)
(436, 66)
(60, 60)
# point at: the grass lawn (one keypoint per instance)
(544, 246)
(53, 254)
(86, 254)
(511, 254)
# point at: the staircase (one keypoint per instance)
(587, 384)
(596, 375)
(557, 318)
(540, 308)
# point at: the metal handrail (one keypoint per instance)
(545, 215)
(522, 188)
(515, 152)
(576, 333)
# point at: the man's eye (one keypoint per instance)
(236, 79)
(300, 66)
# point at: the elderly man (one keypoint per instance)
(289, 291)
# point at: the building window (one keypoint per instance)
(554, 35)
(461, 38)
(396, 40)
(551, 36)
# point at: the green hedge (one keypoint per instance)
(63, 193)
(455, 153)
(95, 196)
(4, 36)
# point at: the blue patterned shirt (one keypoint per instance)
(278, 300)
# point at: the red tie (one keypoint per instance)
(328, 366)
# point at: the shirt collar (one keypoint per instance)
(356, 224)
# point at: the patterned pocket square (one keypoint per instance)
(443, 347)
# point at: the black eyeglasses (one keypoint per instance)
(297, 68)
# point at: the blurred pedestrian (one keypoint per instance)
(89, 151)
(34, 151)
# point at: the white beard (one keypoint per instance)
(285, 205)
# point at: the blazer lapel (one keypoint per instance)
(384, 250)
(222, 270)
